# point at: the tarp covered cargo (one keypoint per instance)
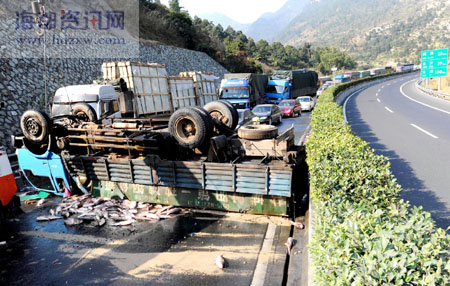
(257, 83)
(304, 82)
(206, 86)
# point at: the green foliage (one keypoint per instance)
(376, 31)
(364, 234)
(175, 6)
(231, 48)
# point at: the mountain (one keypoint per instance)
(224, 20)
(269, 25)
(376, 31)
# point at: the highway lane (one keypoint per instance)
(412, 129)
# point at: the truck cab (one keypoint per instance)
(237, 92)
(278, 90)
(103, 99)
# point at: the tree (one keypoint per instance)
(174, 6)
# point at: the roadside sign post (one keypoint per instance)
(434, 63)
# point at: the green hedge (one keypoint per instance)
(364, 234)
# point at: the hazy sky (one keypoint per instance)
(243, 11)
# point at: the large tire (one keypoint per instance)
(188, 128)
(233, 111)
(221, 112)
(209, 123)
(35, 125)
(258, 132)
(84, 112)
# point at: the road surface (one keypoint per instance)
(178, 251)
(413, 130)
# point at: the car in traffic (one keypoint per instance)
(306, 102)
(321, 89)
(290, 108)
(268, 113)
(245, 117)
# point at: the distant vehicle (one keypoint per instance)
(354, 75)
(324, 79)
(290, 85)
(268, 113)
(306, 102)
(245, 117)
(405, 67)
(341, 78)
(322, 89)
(243, 90)
(290, 107)
(377, 71)
(364, 74)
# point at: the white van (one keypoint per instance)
(102, 99)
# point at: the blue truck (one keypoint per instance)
(243, 90)
(290, 85)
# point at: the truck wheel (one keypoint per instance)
(258, 132)
(233, 112)
(84, 112)
(209, 123)
(188, 128)
(35, 125)
(221, 112)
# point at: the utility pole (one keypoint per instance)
(42, 21)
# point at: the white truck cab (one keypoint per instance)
(102, 99)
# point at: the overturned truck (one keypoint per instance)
(196, 160)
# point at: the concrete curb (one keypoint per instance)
(431, 92)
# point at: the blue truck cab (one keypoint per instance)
(278, 90)
(46, 172)
(236, 91)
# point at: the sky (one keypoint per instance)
(243, 11)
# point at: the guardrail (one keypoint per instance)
(431, 92)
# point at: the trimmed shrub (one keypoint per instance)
(364, 234)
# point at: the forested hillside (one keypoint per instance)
(233, 49)
(376, 31)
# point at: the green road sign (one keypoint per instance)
(434, 63)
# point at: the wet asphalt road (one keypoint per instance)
(412, 130)
(177, 251)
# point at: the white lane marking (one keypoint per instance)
(389, 109)
(378, 100)
(376, 94)
(424, 131)
(382, 86)
(419, 102)
(263, 258)
(346, 101)
(379, 90)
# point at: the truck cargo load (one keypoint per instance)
(304, 82)
(244, 90)
(157, 93)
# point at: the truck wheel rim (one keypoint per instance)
(219, 116)
(185, 129)
(33, 127)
